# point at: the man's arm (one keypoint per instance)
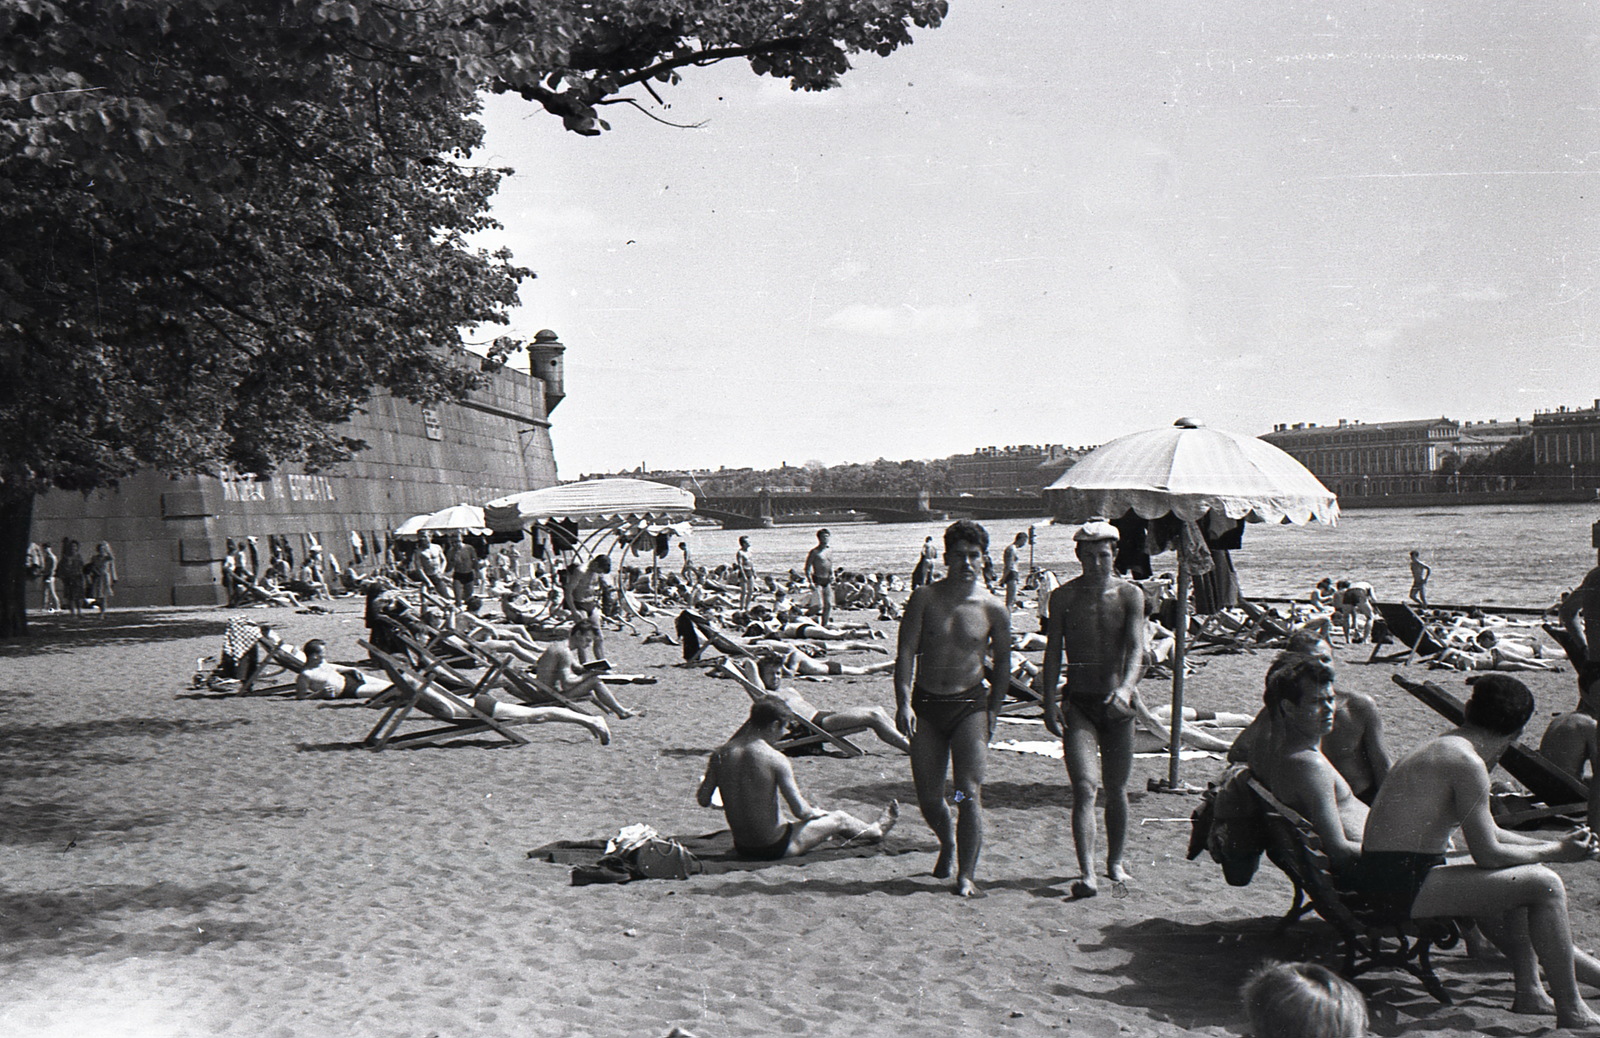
(708, 785)
(905, 661)
(1000, 650)
(790, 789)
(1569, 617)
(1493, 847)
(1132, 642)
(1309, 784)
(1364, 710)
(1054, 639)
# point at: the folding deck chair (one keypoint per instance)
(412, 687)
(1020, 696)
(1406, 626)
(809, 732)
(1369, 941)
(520, 682)
(289, 664)
(1562, 792)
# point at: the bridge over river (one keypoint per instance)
(764, 508)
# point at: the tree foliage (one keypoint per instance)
(224, 223)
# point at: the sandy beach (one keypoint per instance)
(179, 862)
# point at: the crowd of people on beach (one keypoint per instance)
(964, 654)
(70, 583)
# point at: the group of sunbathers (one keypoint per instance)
(1386, 826)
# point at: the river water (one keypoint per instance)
(1518, 555)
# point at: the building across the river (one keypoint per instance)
(170, 533)
(1357, 459)
(1566, 445)
(1012, 470)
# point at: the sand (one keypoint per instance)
(181, 863)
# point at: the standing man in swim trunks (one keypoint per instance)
(941, 702)
(752, 775)
(747, 574)
(1097, 621)
(1520, 903)
(585, 595)
(1420, 571)
(819, 571)
(1010, 575)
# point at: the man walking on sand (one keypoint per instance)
(941, 703)
(1420, 571)
(1097, 620)
(819, 571)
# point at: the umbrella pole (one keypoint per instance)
(1180, 646)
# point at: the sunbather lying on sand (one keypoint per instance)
(751, 775)
(765, 676)
(323, 680)
(1491, 652)
(795, 662)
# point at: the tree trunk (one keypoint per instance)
(16, 527)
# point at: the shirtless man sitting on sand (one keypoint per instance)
(561, 669)
(1355, 746)
(1097, 621)
(941, 702)
(752, 775)
(323, 680)
(1521, 904)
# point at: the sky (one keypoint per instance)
(1060, 223)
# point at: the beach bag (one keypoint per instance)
(1236, 833)
(639, 852)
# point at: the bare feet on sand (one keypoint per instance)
(942, 865)
(601, 730)
(1577, 1016)
(965, 887)
(1083, 888)
(1533, 1003)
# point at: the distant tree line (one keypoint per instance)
(876, 477)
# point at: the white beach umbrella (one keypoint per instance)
(455, 519)
(1188, 470)
(593, 502)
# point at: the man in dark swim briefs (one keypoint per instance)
(819, 570)
(949, 628)
(1097, 622)
(1520, 903)
(752, 775)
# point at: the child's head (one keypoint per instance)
(1302, 1000)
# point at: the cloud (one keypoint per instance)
(903, 321)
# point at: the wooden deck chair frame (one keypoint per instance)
(522, 683)
(277, 655)
(425, 660)
(1559, 789)
(412, 685)
(1408, 629)
(1367, 942)
(1020, 696)
(813, 733)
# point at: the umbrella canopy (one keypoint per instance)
(1189, 470)
(455, 519)
(594, 501)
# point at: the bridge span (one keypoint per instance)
(764, 508)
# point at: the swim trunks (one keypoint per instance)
(944, 714)
(1095, 711)
(352, 683)
(1389, 881)
(769, 852)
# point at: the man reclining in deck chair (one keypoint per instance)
(323, 680)
(752, 775)
(432, 703)
(765, 675)
(559, 667)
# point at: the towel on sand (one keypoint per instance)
(715, 851)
